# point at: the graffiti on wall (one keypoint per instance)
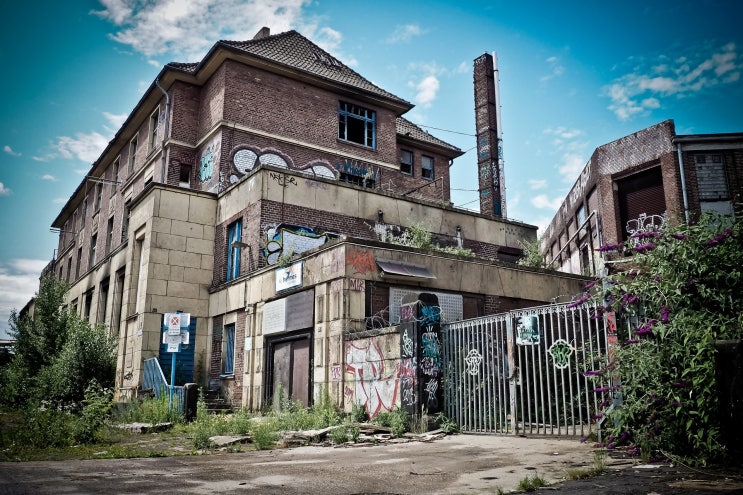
(209, 175)
(286, 240)
(375, 378)
(362, 261)
(246, 158)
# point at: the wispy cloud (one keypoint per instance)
(19, 281)
(405, 33)
(190, 27)
(536, 184)
(84, 147)
(568, 143)
(10, 151)
(49, 177)
(644, 89)
(116, 120)
(59, 201)
(555, 67)
(426, 91)
(4, 191)
(542, 201)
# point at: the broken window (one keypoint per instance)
(357, 124)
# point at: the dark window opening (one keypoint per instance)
(357, 124)
(358, 180)
(427, 171)
(406, 162)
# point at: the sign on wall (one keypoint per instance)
(289, 277)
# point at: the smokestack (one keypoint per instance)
(489, 154)
(264, 32)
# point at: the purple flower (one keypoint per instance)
(610, 247)
(632, 341)
(598, 416)
(664, 314)
(644, 247)
(593, 373)
(578, 301)
(680, 384)
(590, 285)
(656, 278)
(601, 389)
(718, 238)
(675, 403)
(680, 237)
(645, 235)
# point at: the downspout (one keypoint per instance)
(165, 130)
(683, 182)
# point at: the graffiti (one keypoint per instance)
(316, 185)
(409, 397)
(560, 350)
(430, 315)
(208, 163)
(430, 366)
(389, 186)
(527, 330)
(473, 360)
(335, 373)
(407, 344)
(406, 312)
(357, 169)
(432, 386)
(282, 180)
(361, 261)
(375, 387)
(285, 240)
(356, 284)
(430, 344)
(407, 368)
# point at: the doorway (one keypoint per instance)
(289, 368)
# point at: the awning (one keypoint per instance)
(397, 269)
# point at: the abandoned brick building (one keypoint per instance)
(258, 191)
(637, 183)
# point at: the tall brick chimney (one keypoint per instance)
(489, 164)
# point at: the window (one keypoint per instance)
(357, 125)
(427, 167)
(406, 162)
(98, 197)
(87, 303)
(154, 128)
(79, 262)
(69, 268)
(93, 242)
(125, 221)
(234, 234)
(184, 179)
(229, 350)
(85, 212)
(103, 302)
(132, 154)
(581, 215)
(109, 234)
(115, 175)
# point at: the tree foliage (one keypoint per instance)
(681, 291)
(57, 353)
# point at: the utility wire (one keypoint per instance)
(446, 130)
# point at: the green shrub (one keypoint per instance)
(96, 407)
(397, 420)
(43, 428)
(264, 435)
(446, 424)
(339, 434)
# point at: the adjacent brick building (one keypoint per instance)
(638, 182)
(258, 191)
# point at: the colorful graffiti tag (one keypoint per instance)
(285, 240)
(375, 379)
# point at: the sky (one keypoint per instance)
(571, 78)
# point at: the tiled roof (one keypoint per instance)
(294, 50)
(407, 128)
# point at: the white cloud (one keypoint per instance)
(571, 148)
(541, 201)
(59, 201)
(4, 191)
(10, 151)
(405, 33)
(49, 177)
(19, 281)
(644, 88)
(84, 147)
(116, 120)
(426, 89)
(190, 27)
(536, 184)
(555, 68)
(571, 166)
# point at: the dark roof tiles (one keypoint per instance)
(407, 128)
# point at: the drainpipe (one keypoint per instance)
(165, 130)
(683, 182)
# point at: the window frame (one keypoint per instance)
(133, 144)
(154, 128)
(234, 233)
(410, 164)
(432, 168)
(363, 116)
(92, 250)
(228, 363)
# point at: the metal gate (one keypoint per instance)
(529, 371)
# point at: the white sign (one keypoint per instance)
(173, 323)
(289, 277)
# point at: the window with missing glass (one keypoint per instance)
(357, 124)
(229, 350)
(234, 235)
(406, 162)
(427, 171)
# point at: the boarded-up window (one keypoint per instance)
(711, 178)
(640, 193)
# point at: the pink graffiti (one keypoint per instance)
(335, 373)
(374, 386)
(406, 312)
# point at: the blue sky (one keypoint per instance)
(571, 78)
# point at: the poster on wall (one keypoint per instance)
(527, 330)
